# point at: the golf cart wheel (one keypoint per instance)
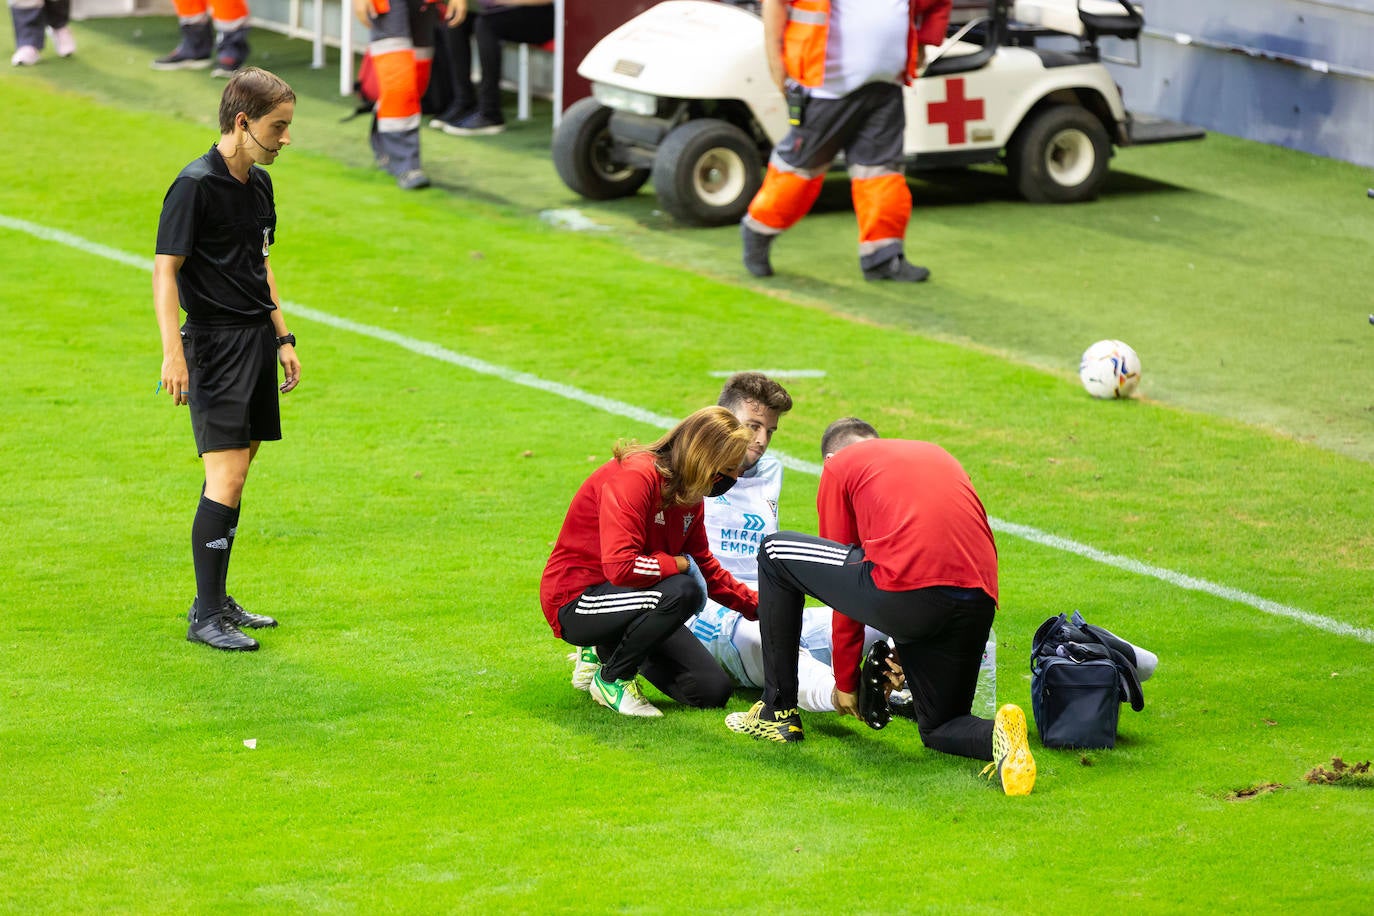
(1060, 156)
(706, 172)
(584, 154)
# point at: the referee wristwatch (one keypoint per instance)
(286, 339)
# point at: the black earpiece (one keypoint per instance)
(244, 122)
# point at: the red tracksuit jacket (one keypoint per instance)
(912, 508)
(617, 530)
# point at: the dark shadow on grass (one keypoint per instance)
(1124, 184)
(961, 187)
(951, 187)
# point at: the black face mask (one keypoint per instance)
(721, 485)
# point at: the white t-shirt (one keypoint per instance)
(867, 44)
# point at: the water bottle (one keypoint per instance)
(985, 697)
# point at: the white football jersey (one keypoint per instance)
(738, 520)
(736, 524)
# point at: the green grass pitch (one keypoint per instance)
(417, 745)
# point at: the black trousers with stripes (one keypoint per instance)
(939, 633)
(641, 631)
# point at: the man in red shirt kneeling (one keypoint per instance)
(905, 547)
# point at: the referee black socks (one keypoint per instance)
(212, 535)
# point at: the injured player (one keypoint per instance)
(736, 523)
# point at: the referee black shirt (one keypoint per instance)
(223, 229)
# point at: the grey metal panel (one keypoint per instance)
(274, 10)
(276, 15)
(1337, 31)
(1298, 73)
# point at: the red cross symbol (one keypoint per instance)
(955, 111)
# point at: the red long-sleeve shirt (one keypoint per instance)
(617, 530)
(913, 509)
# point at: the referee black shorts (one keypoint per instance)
(233, 384)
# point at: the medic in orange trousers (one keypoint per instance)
(401, 45)
(841, 68)
(199, 21)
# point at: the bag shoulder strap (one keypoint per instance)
(1130, 678)
(1044, 641)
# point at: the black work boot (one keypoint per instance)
(231, 53)
(899, 269)
(194, 50)
(756, 245)
(216, 630)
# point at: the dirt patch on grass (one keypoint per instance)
(1357, 775)
(1246, 794)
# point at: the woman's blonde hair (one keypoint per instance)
(691, 454)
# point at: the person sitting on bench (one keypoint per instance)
(518, 21)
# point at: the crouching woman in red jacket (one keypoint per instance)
(632, 564)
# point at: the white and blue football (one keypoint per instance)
(1110, 369)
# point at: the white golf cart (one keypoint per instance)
(682, 94)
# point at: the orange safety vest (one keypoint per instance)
(808, 29)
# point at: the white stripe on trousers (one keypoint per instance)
(616, 603)
(829, 555)
(398, 125)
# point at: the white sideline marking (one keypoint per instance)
(75, 241)
(1180, 580)
(638, 414)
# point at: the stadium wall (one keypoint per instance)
(1296, 73)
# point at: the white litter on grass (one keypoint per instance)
(575, 220)
(250, 743)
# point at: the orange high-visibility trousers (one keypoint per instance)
(785, 196)
(402, 49)
(882, 205)
(227, 14)
(869, 126)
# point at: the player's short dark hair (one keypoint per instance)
(838, 434)
(253, 91)
(754, 386)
